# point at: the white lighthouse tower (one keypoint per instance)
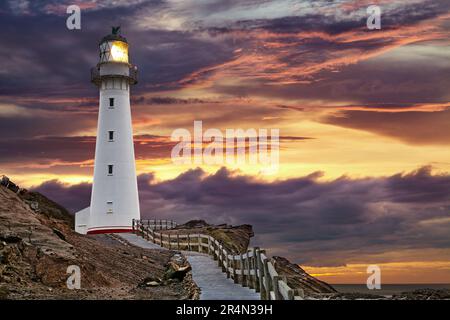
(114, 198)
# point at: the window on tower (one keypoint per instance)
(110, 169)
(111, 102)
(109, 205)
(111, 135)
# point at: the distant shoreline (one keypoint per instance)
(388, 289)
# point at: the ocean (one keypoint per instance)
(387, 289)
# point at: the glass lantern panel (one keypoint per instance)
(116, 51)
(119, 51)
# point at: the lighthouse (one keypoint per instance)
(114, 197)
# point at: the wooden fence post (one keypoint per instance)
(247, 263)
(209, 245)
(235, 276)
(276, 288)
(227, 260)
(241, 265)
(189, 242)
(224, 260)
(219, 255)
(224, 257)
(291, 294)
(200, 249)
(255, 269)
(267, 279)
(261, 274)
(132, 225)
(170, 243)
(214, 249)
(178, 242)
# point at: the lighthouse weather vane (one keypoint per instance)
(115, 30)
(114, 197)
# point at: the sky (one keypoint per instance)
(363, 117)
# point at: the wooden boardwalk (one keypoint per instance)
(207, 275)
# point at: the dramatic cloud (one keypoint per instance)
(76, 149)
(312, 222)
(412, 127)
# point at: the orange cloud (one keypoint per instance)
(286, 58)
(391, 272)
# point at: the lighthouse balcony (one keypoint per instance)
(97, 76)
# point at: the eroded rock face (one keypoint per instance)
(41, 204)
(37, 244)
(298, 278)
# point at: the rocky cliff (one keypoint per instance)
(37, 245)
(297, 278)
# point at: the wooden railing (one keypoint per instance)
(252, 269)
(160, 224)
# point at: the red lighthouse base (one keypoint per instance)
(111, 230)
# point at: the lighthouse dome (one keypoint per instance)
(114, 47)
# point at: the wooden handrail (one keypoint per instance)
(159, 224)
(250, 269)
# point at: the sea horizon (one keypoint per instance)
(388, 289)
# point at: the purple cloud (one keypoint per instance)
(301, 218)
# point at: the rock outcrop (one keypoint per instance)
(235, 239)
(297, 278)
(424, 294)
